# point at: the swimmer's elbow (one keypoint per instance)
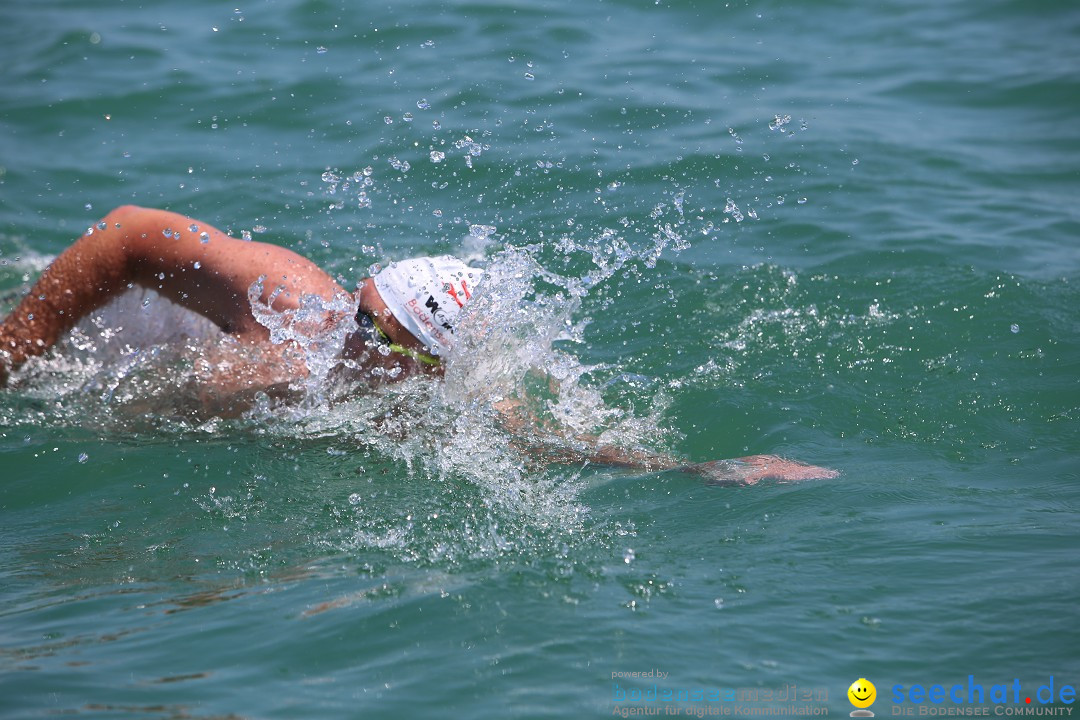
(125, 211)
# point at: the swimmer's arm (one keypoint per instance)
(558, 448)
(203, 270)
(737, 471)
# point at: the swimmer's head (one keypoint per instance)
(426, 295)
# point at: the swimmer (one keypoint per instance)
(404, 318)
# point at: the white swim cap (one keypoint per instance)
(426, 294)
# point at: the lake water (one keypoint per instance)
(837, 231)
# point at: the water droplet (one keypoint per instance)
(83, 457)
(204, 237)
(423, 104)
(855, 161)
(321, 50)
(435, 124)
(407, 117)
(628, 557)
(198, 264)
(245, 235)
(530, 76)
(1014, 328)
(102, 225)
(802, 201)
(437, 156)
(719, 603)
(88, 206)
(355, 499)
(779, 121)
(388, 120)
(193, 228)
(733, 210)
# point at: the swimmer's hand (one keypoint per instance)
(749, 470)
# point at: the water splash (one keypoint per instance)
(133, 361)
(317, 327)
(510, 396)
(508, 357)
(478, 242)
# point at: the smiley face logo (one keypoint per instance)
(862, 693)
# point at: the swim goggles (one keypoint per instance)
(367, 323)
